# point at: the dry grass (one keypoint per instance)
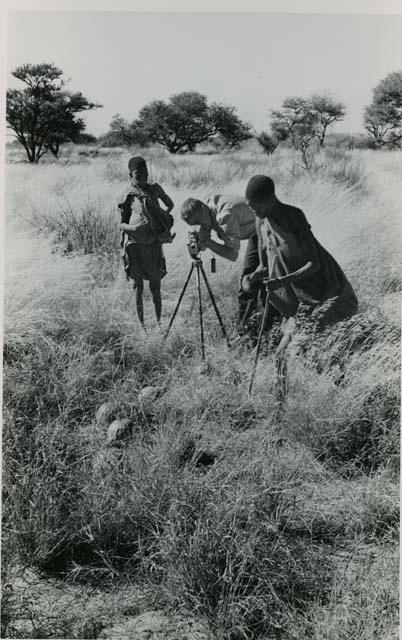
(250, 541)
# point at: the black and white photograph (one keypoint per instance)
(201, 320)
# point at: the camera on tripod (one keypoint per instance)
(193, 244)
(194, 248)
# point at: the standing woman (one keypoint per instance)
(145, 226)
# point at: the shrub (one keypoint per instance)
(267, 142)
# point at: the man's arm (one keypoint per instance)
(228, 230)
(230, 253)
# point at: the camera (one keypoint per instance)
(193, 244)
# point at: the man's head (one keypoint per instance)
(260, 195)
(195, 212)
(137, 168)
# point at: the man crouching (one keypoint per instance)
(302, 274)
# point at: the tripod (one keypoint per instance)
(197, 265)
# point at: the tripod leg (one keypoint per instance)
(179, 301)
(198, 266)
(218, 315)
(245, 315)
(257, 351)
(262, 327)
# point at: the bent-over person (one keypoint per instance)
(287, 244)
(232, 220)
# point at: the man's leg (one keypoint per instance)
(155, 289)
(288, 330)
(248, 300)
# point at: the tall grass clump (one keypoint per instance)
(253, 517)
(226, 556)
(359, 381)
(363, 603)
(87, 228)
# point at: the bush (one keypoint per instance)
(267, 142)
(87, 229)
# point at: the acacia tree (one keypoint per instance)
(301, 119)
(303, 122)
(298, 124)
(187, 120)
(181, 123)
(287, 121)
(383, 117)
(226, 123)
(43, 115)
(328, 110)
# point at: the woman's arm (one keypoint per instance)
(131, 227)
(168, 202)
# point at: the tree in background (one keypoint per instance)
(226, 123)
(297, 124)
(300, 118)
(187, 120)
(328, 110)
(287, 121)
(383, 117)
(303, 122)
(124, 134)
(267, 142)
(179, 124)
(43, 115)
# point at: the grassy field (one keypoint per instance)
(292, 532)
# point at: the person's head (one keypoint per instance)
(260, 195)
(195, 212)
(138, 170)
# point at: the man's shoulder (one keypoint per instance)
(290, 210)
(220, 201)
(295, 216)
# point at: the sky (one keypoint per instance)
(252, 61)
